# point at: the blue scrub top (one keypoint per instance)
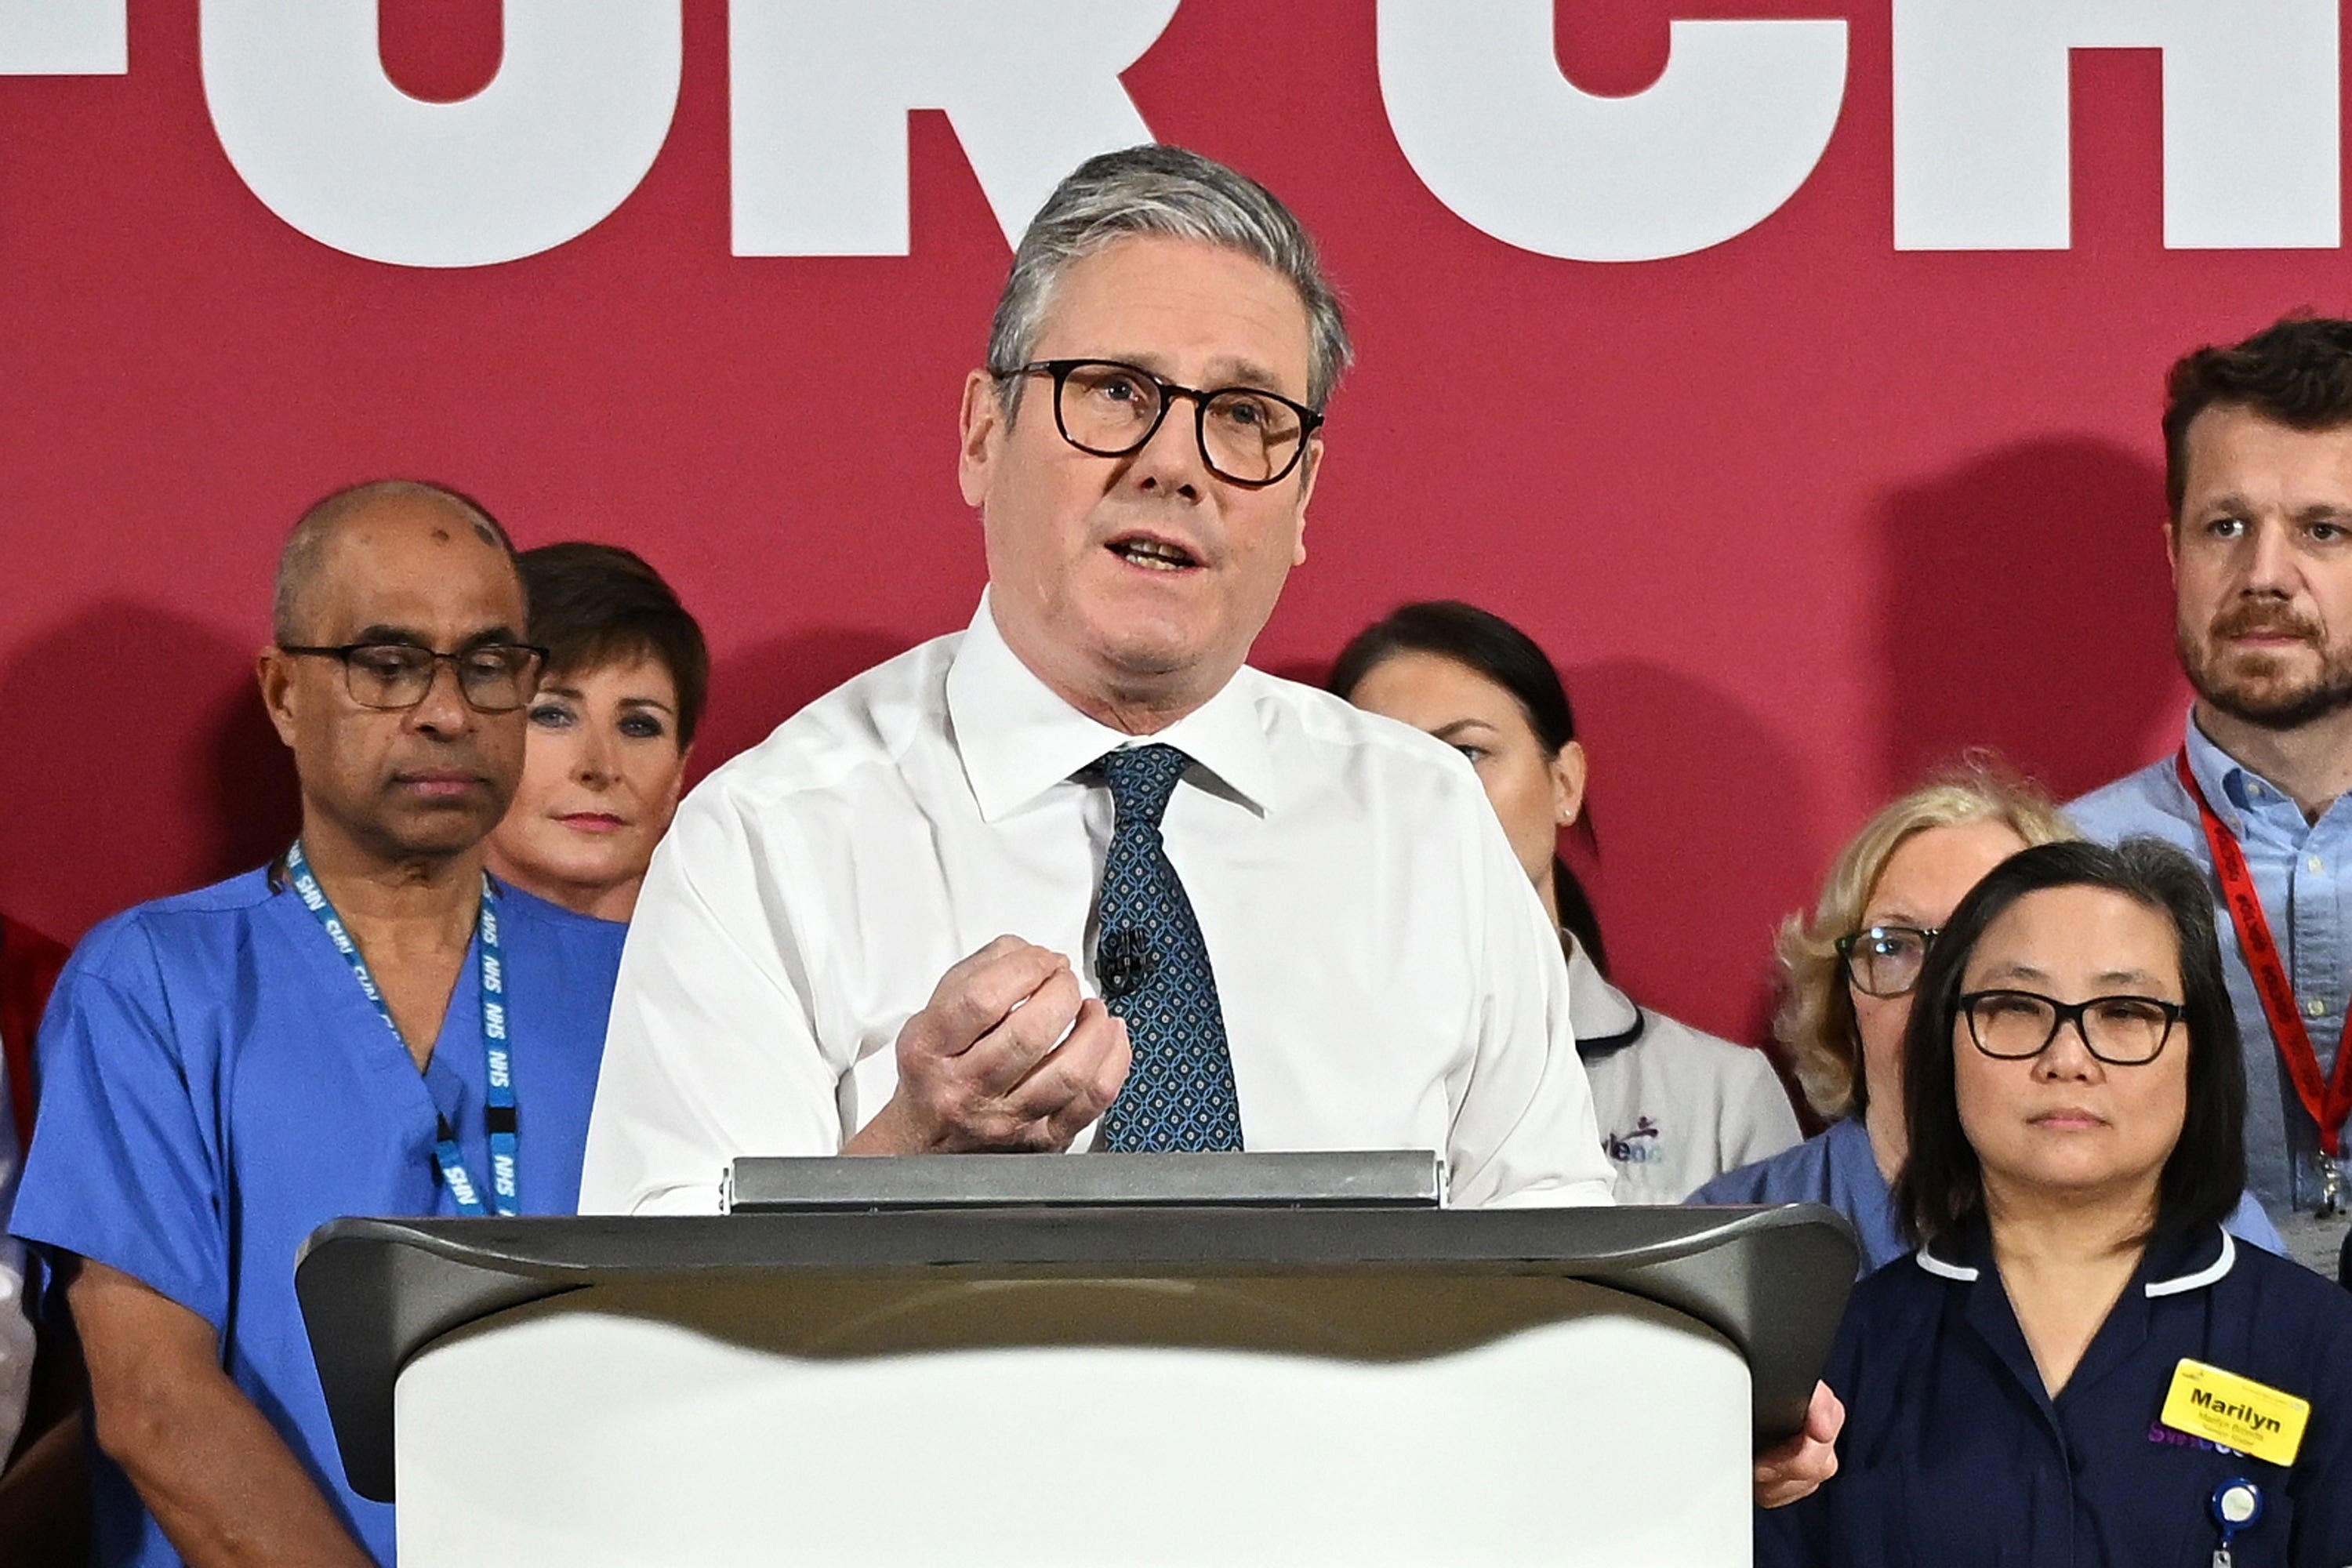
(1838, 1168)
(1954, 1456)
(214, 1087)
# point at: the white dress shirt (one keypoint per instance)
(1677, 1107)
(1387, 976)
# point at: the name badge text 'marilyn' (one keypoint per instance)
(2235, 1412)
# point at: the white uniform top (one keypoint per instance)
(1676, 1107)
(1386, 975)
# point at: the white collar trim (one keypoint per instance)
(1937, 1266)
(2203, 1277)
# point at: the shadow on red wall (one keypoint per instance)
(1692, 882)
(129, 681)
(2029, 610)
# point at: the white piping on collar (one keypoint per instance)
(2203, 1277)
(1936, 1265)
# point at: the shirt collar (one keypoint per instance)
(2175, 1264)
(2230, 787)
(1017, 739)
(1596, 1009)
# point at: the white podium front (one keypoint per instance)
(1019, 1385)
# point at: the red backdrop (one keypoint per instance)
(1796, 515)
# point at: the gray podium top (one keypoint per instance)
(374, 1292)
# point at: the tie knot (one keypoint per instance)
(1141, 780)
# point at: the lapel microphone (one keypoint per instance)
(1125, 960)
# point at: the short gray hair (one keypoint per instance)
(1162, 190)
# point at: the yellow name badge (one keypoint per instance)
(2235, 1412)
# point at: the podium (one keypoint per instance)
(1157, 1383)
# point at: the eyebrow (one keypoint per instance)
(408, 637)
(2235, 505)
(576, 694)
(1463, 726)
(1222, 373)
(2103, 977)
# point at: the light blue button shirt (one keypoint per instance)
(2303, 874)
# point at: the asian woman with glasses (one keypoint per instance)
(2080, 1364)
(1847, 973)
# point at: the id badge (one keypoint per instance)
(2235, 1412)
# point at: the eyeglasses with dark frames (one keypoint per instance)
(2122, 1031)
(1248, 435)
(1885, 961)
(493, 678)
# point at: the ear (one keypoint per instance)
(2172, 548)
(982, 424)
(275, 672)
(1311, 465)
(1568, 785)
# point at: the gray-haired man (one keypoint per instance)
(1240, 911)
(819, 963)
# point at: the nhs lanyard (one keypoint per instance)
(500, 1110)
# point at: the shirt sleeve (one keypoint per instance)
(1524, 1133)
(122, 1170)
(2248, 1222)
(15, 1326)
(713, 1050)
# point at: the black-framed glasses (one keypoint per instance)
(493, 678)
(1248, 436)
(2122, 1031)
(1885, 961)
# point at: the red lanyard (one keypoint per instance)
(2329, 1103)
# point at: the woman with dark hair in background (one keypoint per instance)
(1675, 1106)
(2080, 1364)
(611, 727)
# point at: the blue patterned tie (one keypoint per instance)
(1155, 974)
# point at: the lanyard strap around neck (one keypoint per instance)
(499, 1108)
(2329, 1100)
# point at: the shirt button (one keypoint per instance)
(2315, 1007)
(2316, 864)
(2254, 791)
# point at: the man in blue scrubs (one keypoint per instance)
(367, 1026)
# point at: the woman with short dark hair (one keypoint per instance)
(611, 727)
(2080, 1365)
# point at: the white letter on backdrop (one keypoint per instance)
(821, 92)
(64, 37)
(1476, 99)
(580, 104)
(1982, 144)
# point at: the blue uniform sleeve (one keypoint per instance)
(2248, 1222)
(124, 1170)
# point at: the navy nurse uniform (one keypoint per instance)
(1953, 1453)
(215, 1086)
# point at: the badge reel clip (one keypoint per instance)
(2237, 1506)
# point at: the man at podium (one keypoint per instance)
(1077, 877)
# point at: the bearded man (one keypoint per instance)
(2258, 448)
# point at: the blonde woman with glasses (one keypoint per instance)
(1847, 973)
